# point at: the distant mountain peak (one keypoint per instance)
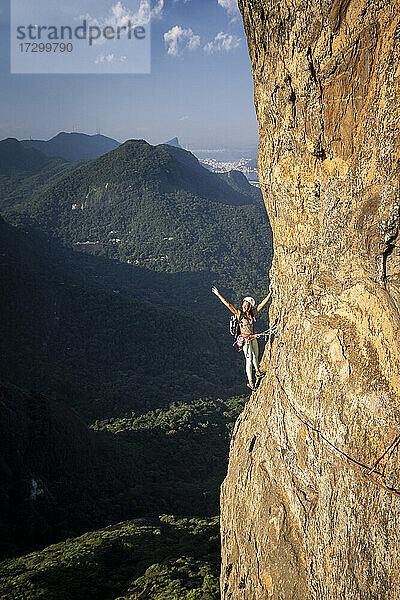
(174, 142)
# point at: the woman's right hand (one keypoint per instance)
(214, 290)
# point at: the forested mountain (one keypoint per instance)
(14, 158)
(156, 207)
(73, 146)
(24, 171)
(239, 182)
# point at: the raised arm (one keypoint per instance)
(227, 304)
(263, 303)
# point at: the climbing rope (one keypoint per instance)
(392, 446)
(241, 339)
(365, 470)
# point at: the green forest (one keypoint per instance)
(163, 559)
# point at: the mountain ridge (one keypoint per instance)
(25, 170)
(15, 158)
(73, 146)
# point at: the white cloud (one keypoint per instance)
(156, 12)
(178, 39)
(184, 118)
(230, 5)
(120, 16)
(223, 42)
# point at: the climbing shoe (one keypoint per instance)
(260, 374)
(252, 387)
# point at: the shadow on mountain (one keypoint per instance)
(107, 337)
(60, 478)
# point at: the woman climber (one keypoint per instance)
(245, 316)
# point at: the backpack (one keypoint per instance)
(234, 326)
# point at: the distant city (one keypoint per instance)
(246, 165)
(239, 159)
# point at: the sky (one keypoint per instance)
(199, 89)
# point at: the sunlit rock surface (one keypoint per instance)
(296, 522)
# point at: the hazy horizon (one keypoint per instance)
(219, 153)
(200, 87)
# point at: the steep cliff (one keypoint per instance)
(299, 518)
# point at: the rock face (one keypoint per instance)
(299, 519)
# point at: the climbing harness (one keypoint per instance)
(365, 470)
(241, 340)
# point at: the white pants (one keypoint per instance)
(250, 350)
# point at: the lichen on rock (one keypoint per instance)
(297, 523)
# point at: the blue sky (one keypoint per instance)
(200, 86)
